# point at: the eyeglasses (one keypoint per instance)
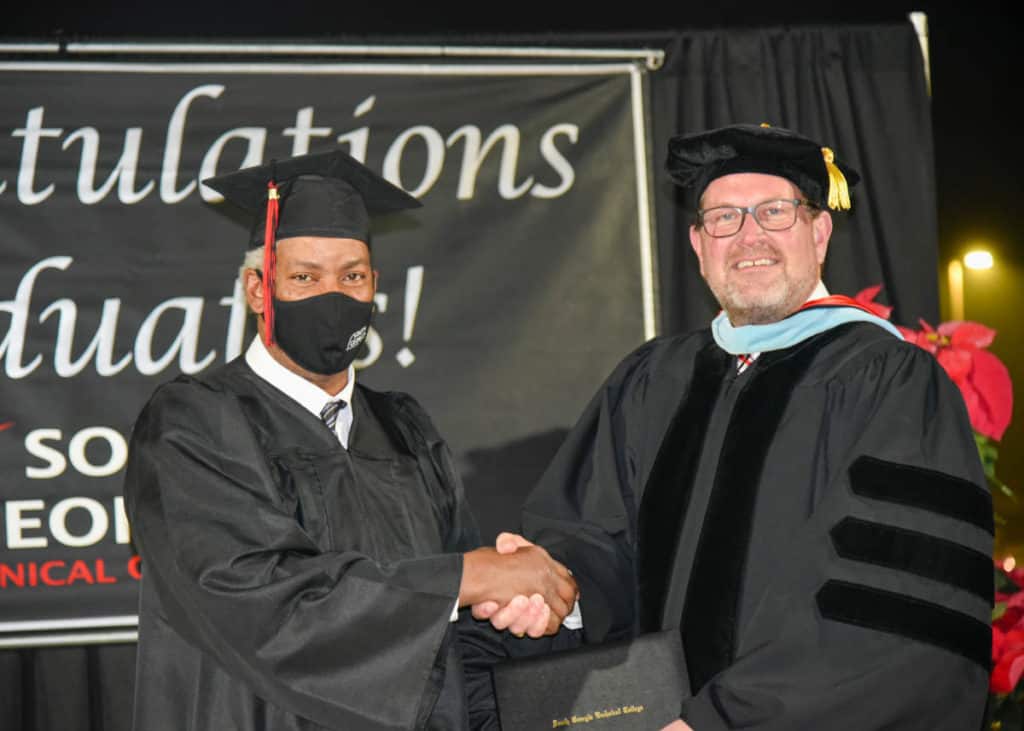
(773, 215)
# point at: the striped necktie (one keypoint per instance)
(329, 413)
(745, 360)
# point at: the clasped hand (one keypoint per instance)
(518, 586)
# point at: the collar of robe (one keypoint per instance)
(816, 316)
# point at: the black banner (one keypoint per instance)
(502, 303)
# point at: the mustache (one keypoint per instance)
(764, 252)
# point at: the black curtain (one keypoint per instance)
(859, 89)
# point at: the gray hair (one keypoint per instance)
(253, 259)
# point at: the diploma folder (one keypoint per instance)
(626, 684)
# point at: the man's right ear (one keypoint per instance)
(254, 290)
(697, 245)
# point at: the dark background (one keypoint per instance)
(975, 82)
(975, 73)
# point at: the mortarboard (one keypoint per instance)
(697, 159)
(329, 194)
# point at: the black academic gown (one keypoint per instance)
(818, 528)
(289, 583)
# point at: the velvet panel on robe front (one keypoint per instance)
(746, 532)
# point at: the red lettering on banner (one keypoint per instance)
(80, 572)
(8, 574)
(60, 573)
(44, 572)
(101, 573)
(135, 567)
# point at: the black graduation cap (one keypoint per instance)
(697, 159)
(328, 194)
(324, 194)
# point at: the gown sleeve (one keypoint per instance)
(331, 636)
(878, 614)
(583, 508)
(583, 529)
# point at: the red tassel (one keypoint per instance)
(269, 263)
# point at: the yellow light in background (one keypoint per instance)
(1009, 564)
(956, 289)
(978, 259)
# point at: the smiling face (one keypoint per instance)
(761, 276)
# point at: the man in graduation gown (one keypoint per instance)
(795, 488)
(305, 540)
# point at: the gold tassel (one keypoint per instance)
(838, 190)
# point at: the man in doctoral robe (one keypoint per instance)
(305, 540)
(795, 488)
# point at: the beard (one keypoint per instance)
(747, 303)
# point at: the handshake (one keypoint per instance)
(517, 586)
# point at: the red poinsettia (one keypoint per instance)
(1007, 660)
(1008, 637)
(982, 378)
(959, 347)
(866, 298)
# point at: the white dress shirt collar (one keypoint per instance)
(310, 396)
(819, 292)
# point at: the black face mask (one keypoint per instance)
(323, 333)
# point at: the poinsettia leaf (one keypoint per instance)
(991, 381)
(998, 610)
(866, 298)
(877, 308)
(969, 335)
(998, 644)
(948, 327)
(909, 335)
(987, 448)
(1016, 670)
(957, 364)
(868, 294)
(1014, 637)
(920, 338)
(1007, 672)
(1009, 619)
(988, 452)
